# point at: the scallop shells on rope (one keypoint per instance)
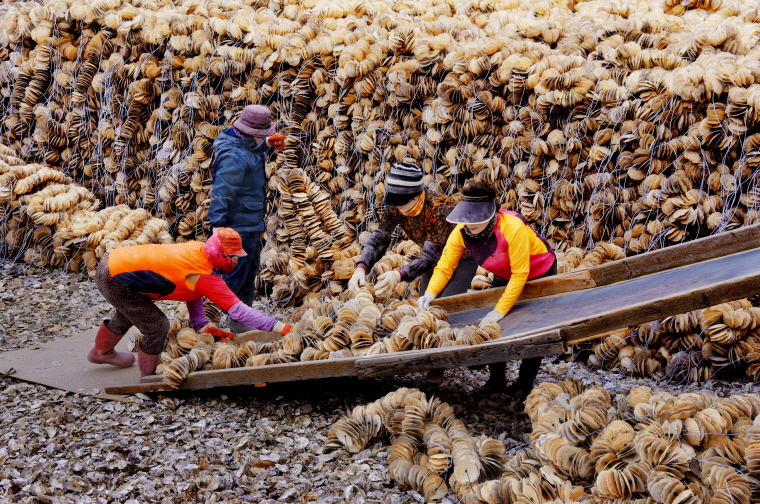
(623, 123)
(52, 222)
(586, 446)
(333, 329)
(720, 342)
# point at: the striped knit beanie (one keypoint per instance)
(403, 183)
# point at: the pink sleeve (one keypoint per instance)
(214, 288)
(217, 291)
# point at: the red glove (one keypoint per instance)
(218, 333)
(286, 330)
(276, 141)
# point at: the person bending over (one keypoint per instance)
(504, 244)
(131, 278)
(421, 213)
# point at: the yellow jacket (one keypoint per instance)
(513, 251)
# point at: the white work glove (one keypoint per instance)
(423, 303)
(358, 279)
(492, 316)
(282, 328)
(387, 282)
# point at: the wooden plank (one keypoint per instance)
(658, 308)
(503, 349)
(540, 287)
(260, 336)
(293, 371)
(138, 388)
(542, 314)
(703, 249)
(596, 336)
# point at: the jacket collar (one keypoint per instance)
(248, 143)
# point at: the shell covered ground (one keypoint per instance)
(232, 445)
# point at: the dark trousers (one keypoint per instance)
(529, 366)
(132, 309)
(241, 280)
(460, 281)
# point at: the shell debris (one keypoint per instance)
(586, 446)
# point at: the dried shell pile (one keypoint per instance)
(332, 329)
(364, 325)
(643, 445)
(625, 122)
(427, 440)
(719, 342)
(308, 238)
(586, 447)
(52, 222)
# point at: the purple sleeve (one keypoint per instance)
(240, 312)
(374, 248)
(197, 315)
(427, 260)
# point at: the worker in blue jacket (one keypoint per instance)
(239, 192)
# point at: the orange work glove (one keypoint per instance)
(218, 333)
(276, 141)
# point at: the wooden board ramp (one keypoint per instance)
(555, 313)
(703, 249)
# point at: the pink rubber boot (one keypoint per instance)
(147, 363)
(104, 353)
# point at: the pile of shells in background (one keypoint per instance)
(633, 123)
(722, 341)
(331, 329)
(586, 447)
(52, 222)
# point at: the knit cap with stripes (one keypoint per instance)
(403, 183)
(404, 178)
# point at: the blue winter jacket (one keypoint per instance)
(239, 183)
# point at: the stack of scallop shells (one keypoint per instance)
(427, 440)
(52, 222)
(308, 240)
(586, 447)
(722, 341)
(332, 329)
(366, 325)
(625, 122)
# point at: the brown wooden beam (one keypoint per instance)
(252, 375)
(540, 287)
(658, 308)
(675, 256)
(500, 350)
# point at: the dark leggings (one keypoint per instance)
(529, 366)
(460, 281)
(132, 309)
